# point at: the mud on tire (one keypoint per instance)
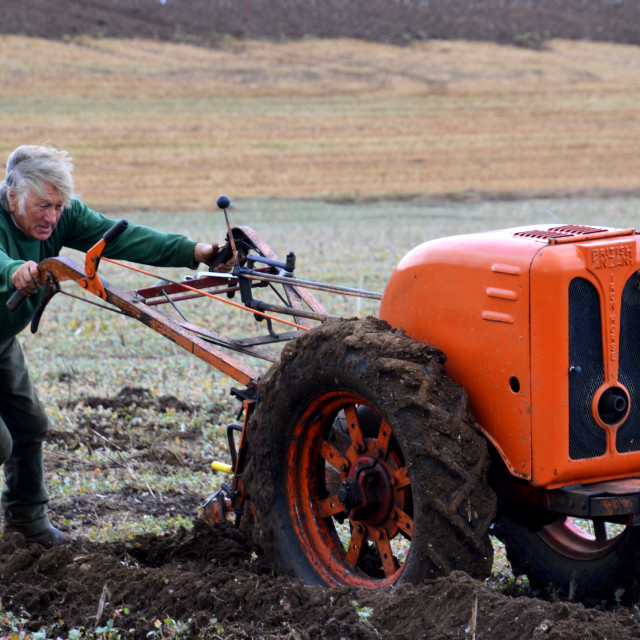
(357, 409)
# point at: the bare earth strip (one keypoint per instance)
(169, 126)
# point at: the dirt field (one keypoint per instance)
(189, 109)
(218, 586)
(200, 582)
(397, 21)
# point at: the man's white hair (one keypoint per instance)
(31, 167)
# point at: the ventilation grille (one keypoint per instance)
(566, 233)
(628, 435)
(586, 438)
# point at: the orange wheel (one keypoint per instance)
(365, 467)
(348, 491)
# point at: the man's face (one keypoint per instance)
(37, 217)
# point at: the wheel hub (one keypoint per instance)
(350, 494)
(366, 493)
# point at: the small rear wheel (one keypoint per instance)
(365, 465)
(580, 559)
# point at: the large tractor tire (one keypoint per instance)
(365, 467)
(580, 559)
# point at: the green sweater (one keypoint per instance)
(79, 228)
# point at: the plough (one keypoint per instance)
(356, 456)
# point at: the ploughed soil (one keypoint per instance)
(525, 22)
(214, 582)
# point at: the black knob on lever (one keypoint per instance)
(223, 202)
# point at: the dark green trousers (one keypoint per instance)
(23, 427)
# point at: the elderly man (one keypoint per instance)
(37, 218)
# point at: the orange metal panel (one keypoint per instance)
(607, 264)
(497, 304)
(469, 296)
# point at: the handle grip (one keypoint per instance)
(15, 301)
(224, 254)
(117, 229)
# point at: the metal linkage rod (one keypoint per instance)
(308, 284)
(292, 311)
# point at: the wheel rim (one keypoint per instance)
(349, 493)
(581, 539)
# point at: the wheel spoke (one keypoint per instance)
(356, 544)
(357, 437)
(402, 478)
(404, 522)
(384, 437)
(600, 530)
(330, 506)
(386, 553)
(332, 455)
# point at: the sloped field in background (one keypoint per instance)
(170, 126)
(525, 22)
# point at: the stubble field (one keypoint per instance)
(348, 153)
(169, 126)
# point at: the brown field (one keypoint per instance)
(169, 126)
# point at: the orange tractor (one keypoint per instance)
(365, 457)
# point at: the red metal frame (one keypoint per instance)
(140, 304)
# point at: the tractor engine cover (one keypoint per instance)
(541, 326)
